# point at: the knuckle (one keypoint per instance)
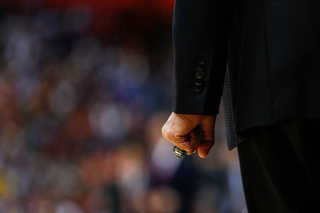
(166, 134)
(163, 131)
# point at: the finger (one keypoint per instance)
(181, 141)
(207, 127)
(174, 135)
(205, 147)
(177, 130)
(195, 137)
(207, 142)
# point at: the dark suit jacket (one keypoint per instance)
(273, 59)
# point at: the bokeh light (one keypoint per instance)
(85, 87)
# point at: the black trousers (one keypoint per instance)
(280, 167)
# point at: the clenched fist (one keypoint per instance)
(190, 132)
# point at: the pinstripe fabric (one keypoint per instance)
(229, 108)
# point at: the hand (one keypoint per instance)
(190, 132)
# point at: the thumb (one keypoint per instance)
(207, 126)
(205, 147)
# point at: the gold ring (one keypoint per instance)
(179, 153)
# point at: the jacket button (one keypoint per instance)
(198, 80)
(198, 88)
(200, 72)
(199, 77)
(201, 65)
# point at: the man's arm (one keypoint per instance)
(200, 35)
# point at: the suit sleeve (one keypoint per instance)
(200, 36)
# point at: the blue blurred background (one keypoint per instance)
(85, 87)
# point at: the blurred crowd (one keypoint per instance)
(80, 120)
